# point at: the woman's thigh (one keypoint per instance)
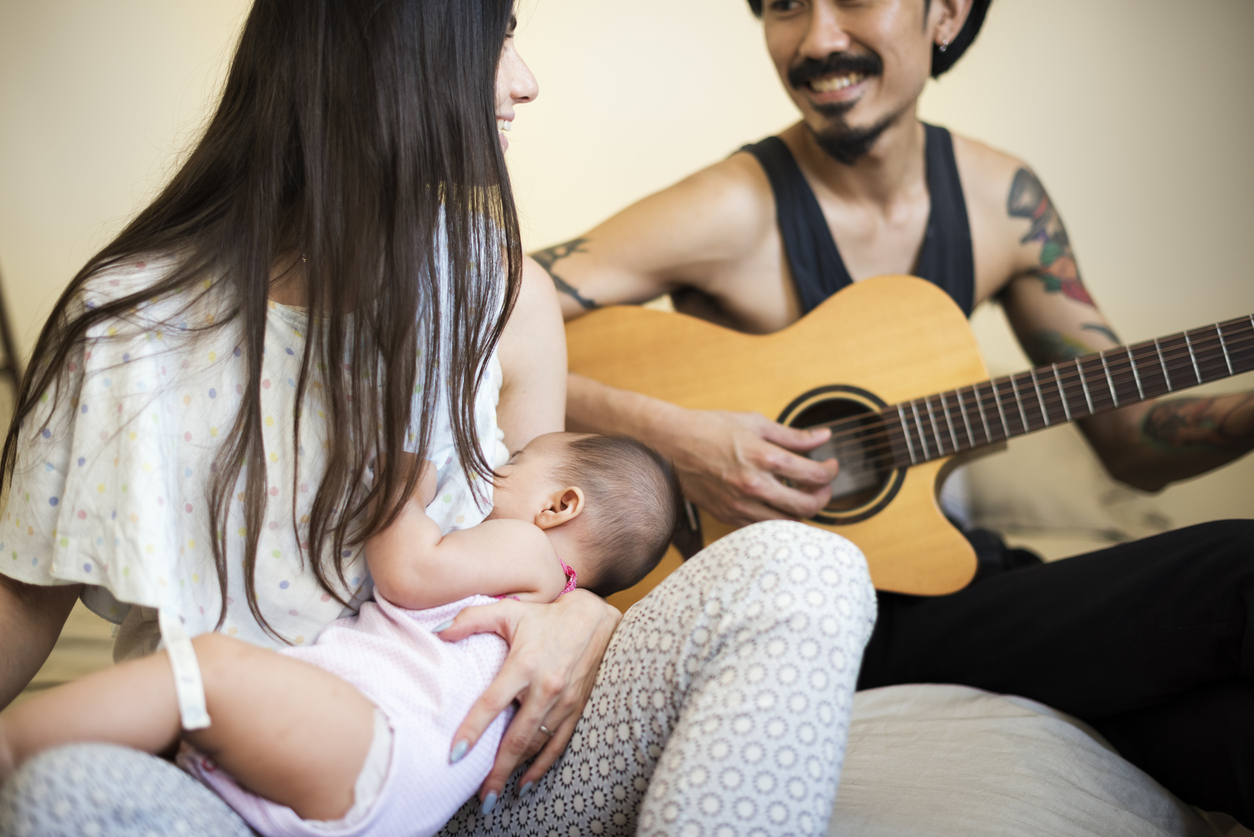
(108, 791)
(723, 700)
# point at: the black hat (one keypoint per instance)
(941, 61)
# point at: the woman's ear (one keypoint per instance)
(563, 506)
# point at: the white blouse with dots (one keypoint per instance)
(111, 486)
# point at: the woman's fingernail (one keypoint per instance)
(527, 788)
(489, 802)
(443, 626)
(459, 750)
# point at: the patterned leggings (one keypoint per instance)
(721, 708)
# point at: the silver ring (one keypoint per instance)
(546, 730)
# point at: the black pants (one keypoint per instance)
(1151, 642)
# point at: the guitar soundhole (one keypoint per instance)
(859, 443)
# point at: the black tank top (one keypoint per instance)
(818, 271)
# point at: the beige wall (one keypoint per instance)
(1136, 114)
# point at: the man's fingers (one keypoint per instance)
(796, 439)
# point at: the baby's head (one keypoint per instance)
(610, 504)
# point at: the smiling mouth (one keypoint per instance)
(503, 126)
(831, 84)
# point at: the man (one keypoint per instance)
(1152, 642)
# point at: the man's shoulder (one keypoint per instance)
(987, 173)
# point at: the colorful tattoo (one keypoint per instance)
(1053, 347)
(1058, 271)
(1102, 330)
(551, 256)
(1183, 423)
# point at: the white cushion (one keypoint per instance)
(951, 760)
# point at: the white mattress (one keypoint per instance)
(951, 760)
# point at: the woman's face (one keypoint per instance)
(515, 85)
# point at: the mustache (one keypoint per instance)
(836, 64)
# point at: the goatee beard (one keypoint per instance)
(848, 145)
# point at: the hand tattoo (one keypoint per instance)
(1053, 347)
(551, 256)
(1182, 423)
(1102, 330)
(1058, 270)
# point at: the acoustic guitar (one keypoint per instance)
(891, 366)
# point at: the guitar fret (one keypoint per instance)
(905, 431)
(1014, 385)
(1062, 390)
(1088, 399)
(1109, 380)
(1188, 344)
(965, 421)
(1136, 376)
(1040, 398)
(919, 423)
(940, 442)
(949, 420)
(1163, 364)
(979, 402)
(1223, 344)
(1000, 411)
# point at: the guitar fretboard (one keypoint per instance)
(992, 411)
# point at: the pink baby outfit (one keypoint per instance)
(424, 687)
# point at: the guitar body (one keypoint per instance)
(878, 342)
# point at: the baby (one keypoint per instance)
(351, 734)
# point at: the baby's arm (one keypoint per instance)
(414, 566)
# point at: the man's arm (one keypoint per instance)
(31, 618)
(691, 235)
(1145, 445)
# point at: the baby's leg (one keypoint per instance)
(285, 729)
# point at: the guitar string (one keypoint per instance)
(877, 433)
(1071, 376)
(872, 428)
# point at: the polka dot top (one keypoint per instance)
(111, 487)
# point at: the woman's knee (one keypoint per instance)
(109, 791)
(810, 562)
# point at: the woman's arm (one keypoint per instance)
(533, 362)
(554, 649)
(31, 618)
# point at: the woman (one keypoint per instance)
(194, 449)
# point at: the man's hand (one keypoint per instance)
(555, 651)
(734, 466)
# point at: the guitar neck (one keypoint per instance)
(993, 411)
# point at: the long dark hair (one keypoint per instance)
(354, 134)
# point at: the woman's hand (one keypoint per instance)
(554, 653)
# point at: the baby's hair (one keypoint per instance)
(633, 507)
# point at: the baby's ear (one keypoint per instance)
(564, 505)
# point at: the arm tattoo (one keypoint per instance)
(1057, 271)
(1053, 347)
(551, 256)
(1183, 423)
(1102, 330)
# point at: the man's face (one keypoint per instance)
(851, 66)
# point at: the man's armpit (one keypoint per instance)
(1057, 269)
(550, 256)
